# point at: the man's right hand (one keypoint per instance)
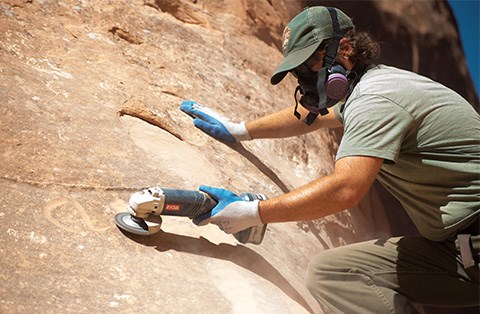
(214, 124)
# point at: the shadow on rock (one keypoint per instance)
(262, 167)
(238, 254)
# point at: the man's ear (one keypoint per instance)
(345, 48)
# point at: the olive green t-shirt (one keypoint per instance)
(429, 137)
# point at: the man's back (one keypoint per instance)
(429, 138)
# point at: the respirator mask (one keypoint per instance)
(336, 87)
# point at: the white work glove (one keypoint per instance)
(214, 124)
(232, 214)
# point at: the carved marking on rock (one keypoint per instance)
(69, 215)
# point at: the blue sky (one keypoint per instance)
(467, 13)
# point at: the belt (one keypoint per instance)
(468, 243)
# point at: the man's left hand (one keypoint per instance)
(215, 124)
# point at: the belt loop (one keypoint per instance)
(465, 248)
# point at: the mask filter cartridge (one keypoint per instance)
(337, 83)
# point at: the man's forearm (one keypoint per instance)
(315, 200)
(284, 124)
(328, 195)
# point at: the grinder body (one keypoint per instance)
(148, 205)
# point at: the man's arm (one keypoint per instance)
(343, 189)
(284, 124)
(277, 125)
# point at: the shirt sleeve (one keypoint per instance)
(374, 126)
(337, 109)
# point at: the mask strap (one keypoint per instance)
(322, 95)
(328, 62)
(295, 112)
(332, 49)
(310, 118)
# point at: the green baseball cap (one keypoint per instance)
(304, 34)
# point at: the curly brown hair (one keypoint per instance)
(365, 49)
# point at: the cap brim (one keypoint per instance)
(291, 61)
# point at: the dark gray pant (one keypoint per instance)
(387, 276)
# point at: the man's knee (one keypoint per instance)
(320, 272)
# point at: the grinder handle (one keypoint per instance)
(186, 203)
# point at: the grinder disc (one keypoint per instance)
(136, 225)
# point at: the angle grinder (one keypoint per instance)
(145, 208)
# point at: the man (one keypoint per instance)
(417, 137)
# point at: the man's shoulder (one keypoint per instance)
(387, 71)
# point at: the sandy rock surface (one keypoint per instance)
(89, 115)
